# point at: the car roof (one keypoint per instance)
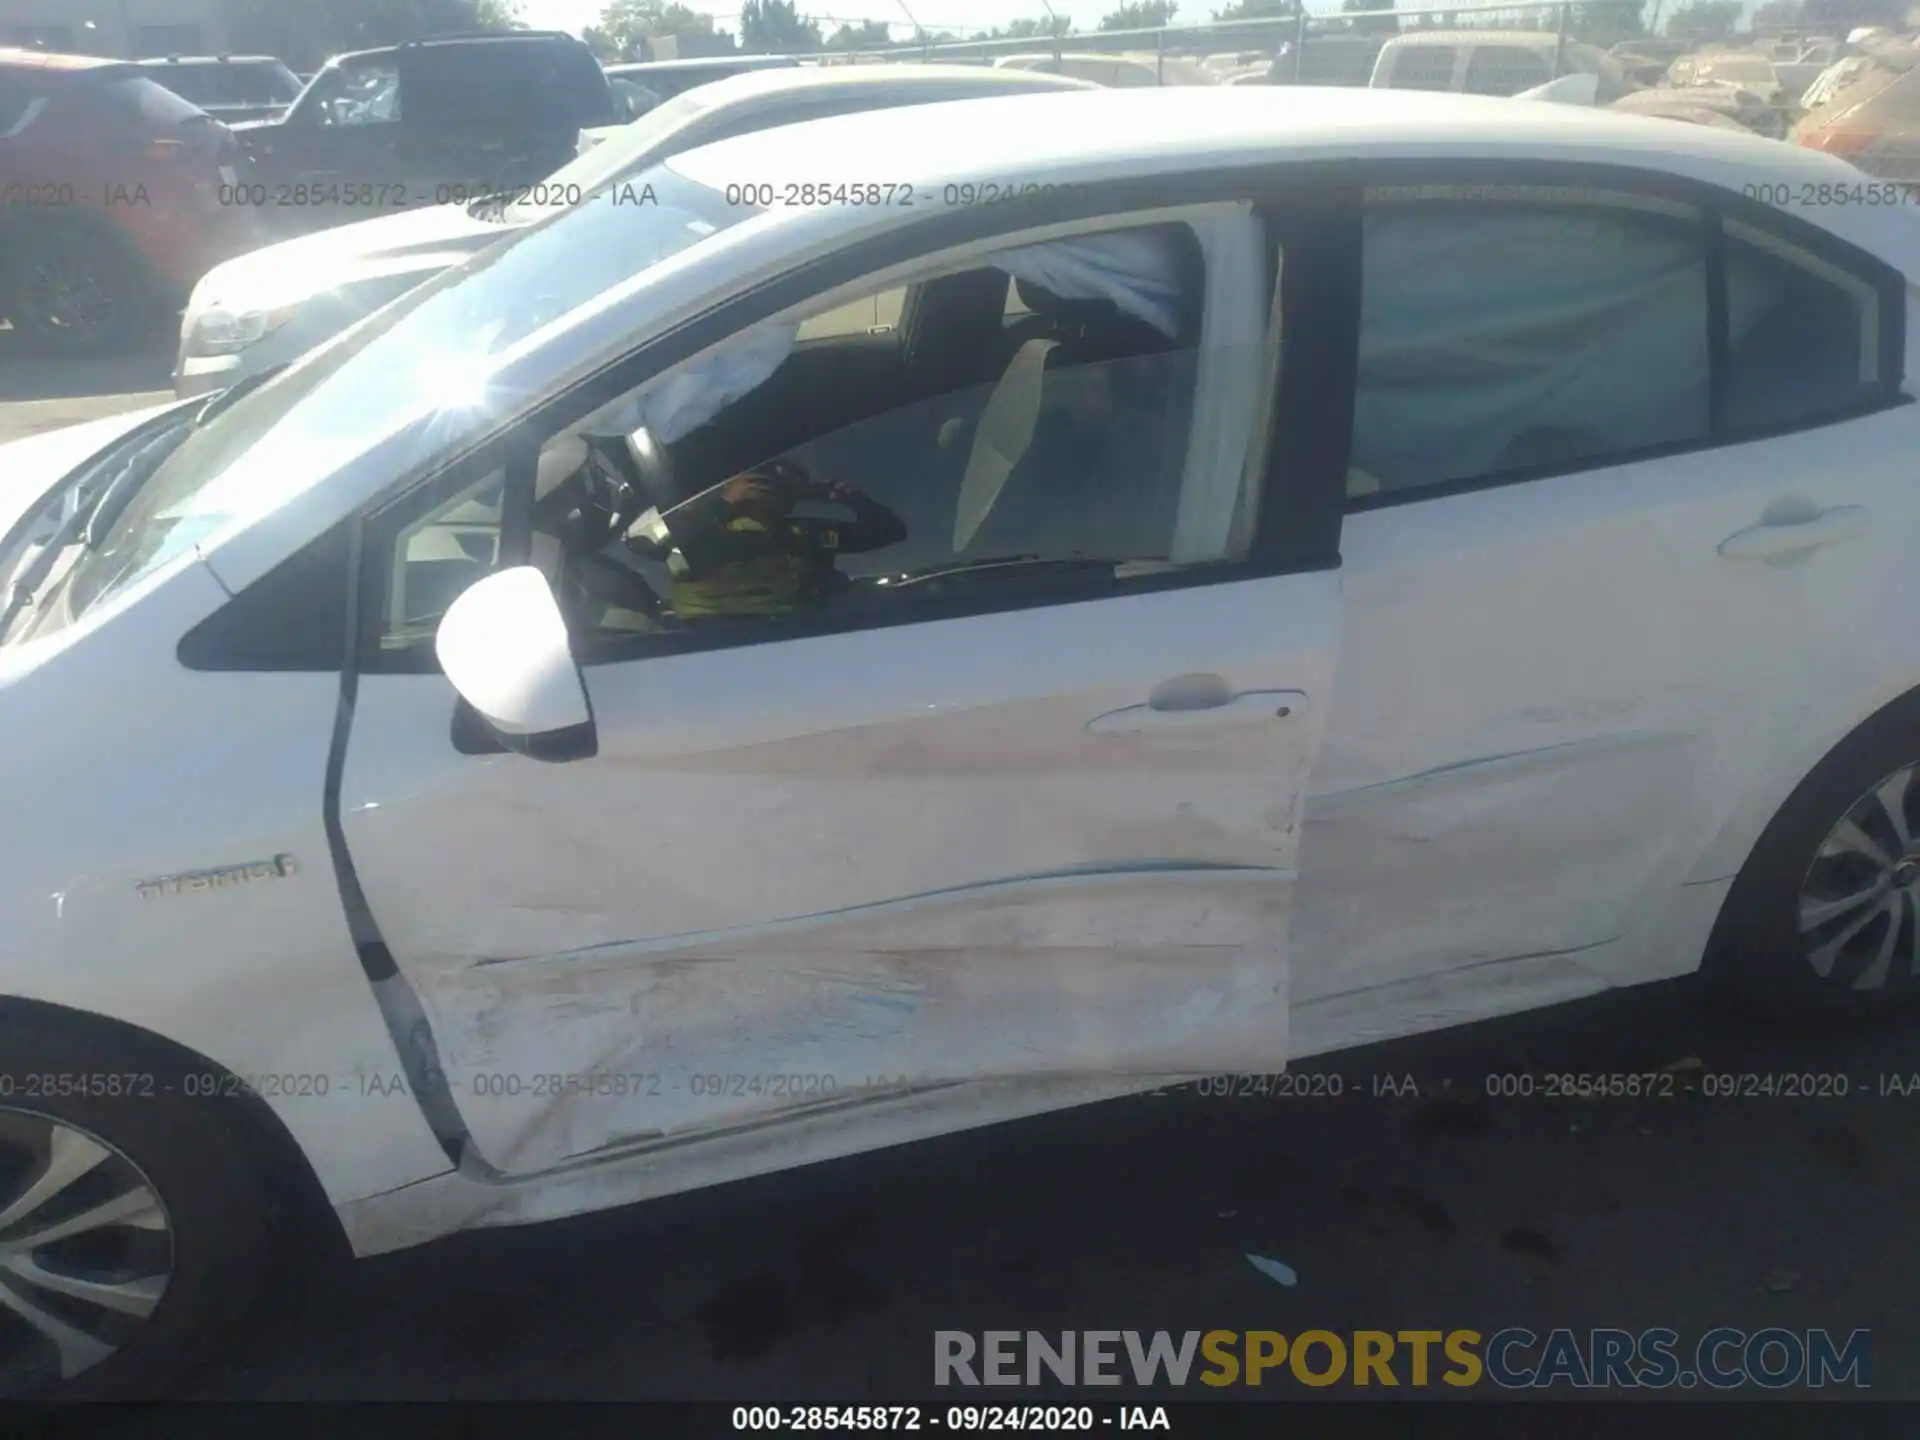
(855, 78)
(210, 60)
(709, 62)
(1095, 135)
(1524, 39)
(460, 42)
(50, 60)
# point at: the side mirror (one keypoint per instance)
(503, 644)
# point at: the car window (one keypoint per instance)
(1803, 334)
(1504, 70)
(488, 84)
(980, 456)
(136, 99)
(366, 94)
(427, 352)
(1522, 328)
(1422, 67)
(264, 84)
(201, 85)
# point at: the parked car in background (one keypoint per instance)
(1714, 103)
(1491, 62)
(1644, 59)
(275, 304)
(425, 123)
(1326, 59)
(664, 79)
(1114, 72)
(1749, 71)
(1312, 614)
(111, 200)
(229, 87)
(1871, 116)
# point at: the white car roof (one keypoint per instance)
(1108, 134)
(754, 84)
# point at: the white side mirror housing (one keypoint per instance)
(503, 644)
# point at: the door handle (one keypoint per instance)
(1236, 712)
(1767, 542)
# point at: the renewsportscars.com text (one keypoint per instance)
(1514, 1358)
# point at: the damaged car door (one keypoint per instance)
(1018, 801)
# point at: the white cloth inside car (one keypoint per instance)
(1136, 270)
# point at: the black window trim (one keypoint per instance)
(1716, 206)
(1277, 548)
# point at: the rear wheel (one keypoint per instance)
(77, 292)
(1826, 913)
(133, 1218)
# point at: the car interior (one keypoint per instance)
(985, 416)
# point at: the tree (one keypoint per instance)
(625, 23)
(861, 35)
(1608, 22)
(775, 25)
(1033, 29)
(307, 35)
(1140, 15)
(1777, 16)
(497, 15)
(1706, 20)
(1258, 10)
(1837, 17)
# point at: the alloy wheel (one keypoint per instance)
(86, 1251)
(67, 297)
(1859, 905)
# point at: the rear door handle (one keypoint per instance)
(1238, 712)
(1767, 542)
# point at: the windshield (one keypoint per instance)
(615, 156)
(437, 341)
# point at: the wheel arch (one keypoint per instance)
(294, 1188)
(1790, 767)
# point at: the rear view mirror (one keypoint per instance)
(503, 644)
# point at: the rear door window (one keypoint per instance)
(1422, 67)
(1504, 70)
(545, 86)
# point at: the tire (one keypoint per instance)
(76, 292)
(186, 1233)
(1807, 867)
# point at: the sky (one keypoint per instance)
(956, 15)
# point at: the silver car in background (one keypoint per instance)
(273, 305)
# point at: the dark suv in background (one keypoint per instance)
(112, 192)
(430, 122)
(229, 87)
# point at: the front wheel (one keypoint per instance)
(1825, 915)
(133, 1220)
(77, 293)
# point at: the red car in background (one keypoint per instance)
(113, 196)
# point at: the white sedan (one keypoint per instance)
(1289, 569)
